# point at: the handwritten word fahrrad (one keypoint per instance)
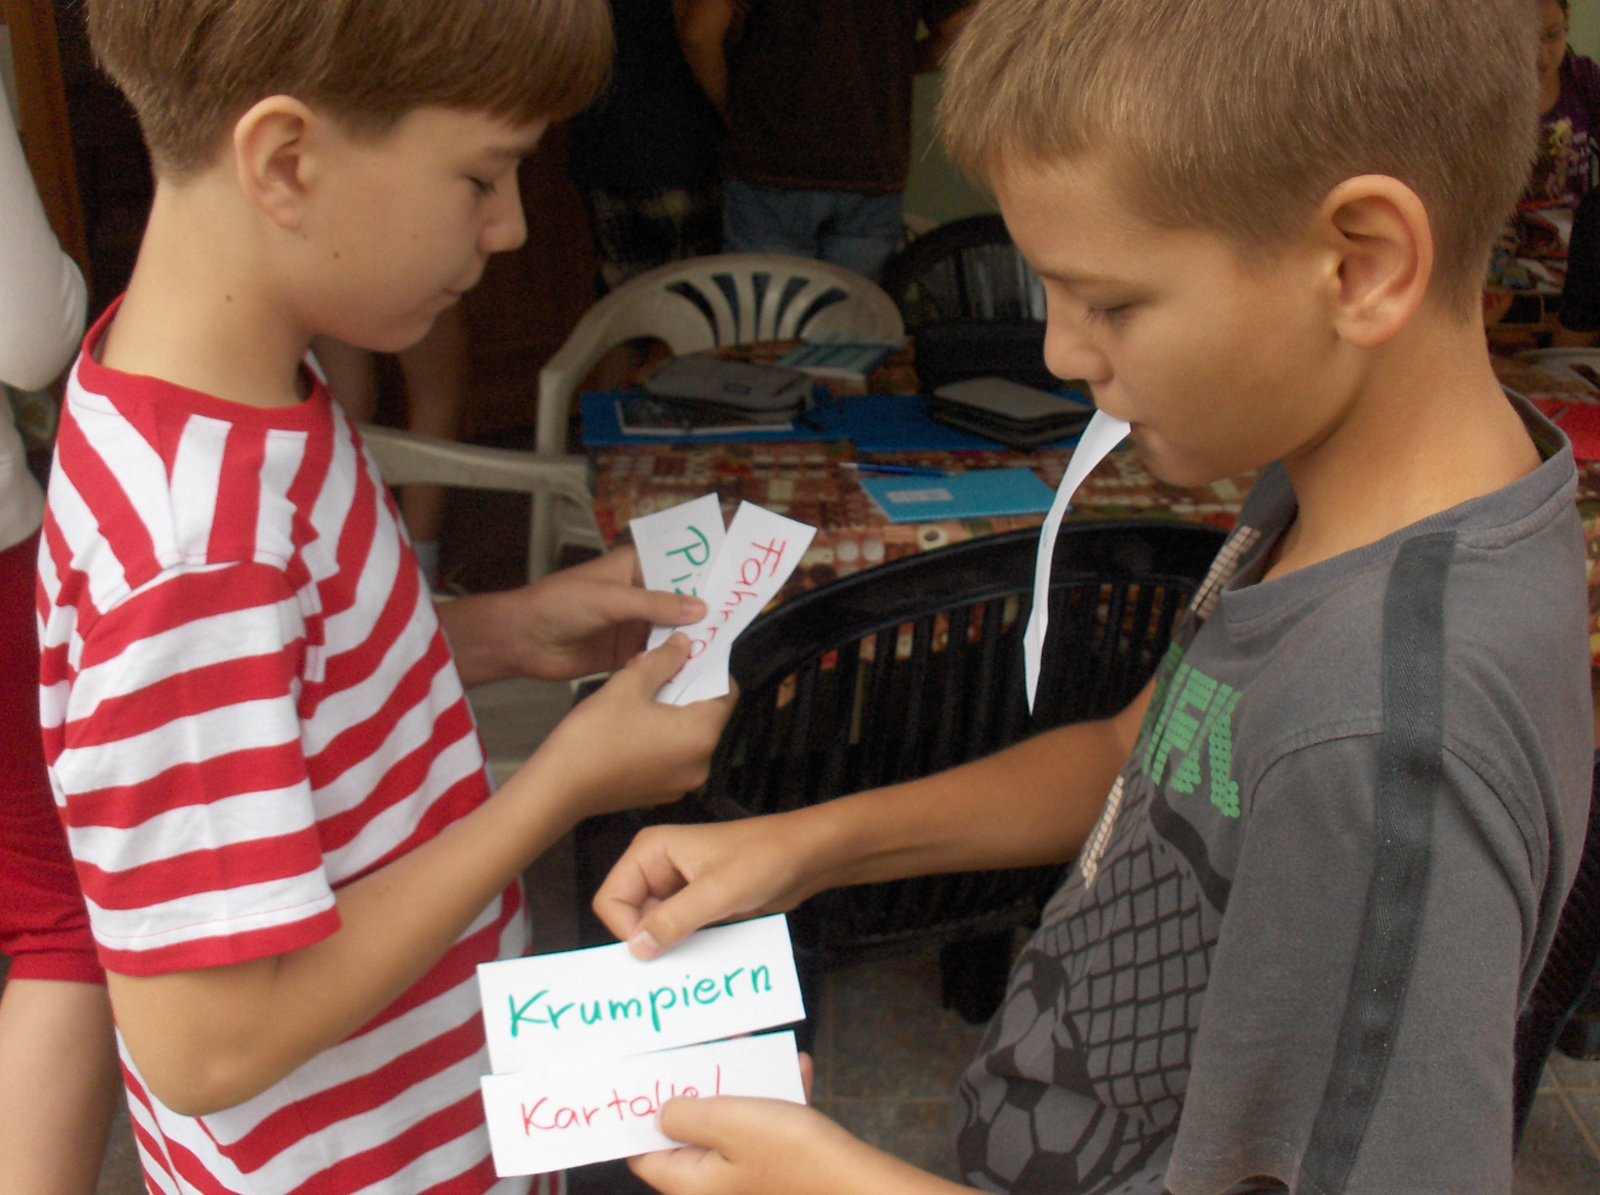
(757, 562)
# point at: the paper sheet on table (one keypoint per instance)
(759, 553)
(676, 548)
(602, 1003)
(572, 1115)
(1102, 435)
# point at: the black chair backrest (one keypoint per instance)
(964, 269)
(915, 666)
(973, 307)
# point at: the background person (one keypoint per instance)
(817, 97)
(58, 1062)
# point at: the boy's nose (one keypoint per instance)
(1069, 354)
(507, 226)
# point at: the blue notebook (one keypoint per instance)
(603, 427)
(982, 493)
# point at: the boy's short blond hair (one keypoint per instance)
(191, 68)
(1240, 116)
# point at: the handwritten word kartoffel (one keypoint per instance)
(555, 1117)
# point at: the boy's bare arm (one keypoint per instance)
(704, 28)
(208, 1040)
(1035, 802)
(590, 618)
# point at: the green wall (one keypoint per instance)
(1585, 35)
(936, 190)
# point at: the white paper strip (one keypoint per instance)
(759, 553)
(677, 547)
(590, 1005)
(556, 1117)
(1102, 435)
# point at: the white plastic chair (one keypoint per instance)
(1573, 364)
(692, 305)
(405, 458)
(515, 715)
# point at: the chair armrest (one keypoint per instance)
(405, 458)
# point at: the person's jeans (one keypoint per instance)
(846, 228)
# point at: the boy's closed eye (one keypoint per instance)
(1110, 313)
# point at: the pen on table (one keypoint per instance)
(901, 470)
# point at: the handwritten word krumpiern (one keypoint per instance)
(691, 992)
(585, 1006)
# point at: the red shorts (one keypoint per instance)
(43, 924)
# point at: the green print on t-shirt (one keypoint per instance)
(1193, 723)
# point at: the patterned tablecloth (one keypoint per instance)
(802, 479)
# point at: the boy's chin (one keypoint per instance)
(1173, 469)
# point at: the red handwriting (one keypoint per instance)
(543, 1116)
(760, 562)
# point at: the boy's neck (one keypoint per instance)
(201, 310)
(1427, 429)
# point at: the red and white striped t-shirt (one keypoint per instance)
(247, 703)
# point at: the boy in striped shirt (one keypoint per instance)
(254, 716)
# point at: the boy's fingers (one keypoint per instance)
(670, 1171)
(704, 1122)
(696, 906)
(634, 889)
(659, 666)
(624, 603)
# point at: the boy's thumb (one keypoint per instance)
(661, 664)
(673, 920)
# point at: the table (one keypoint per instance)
(802, 479)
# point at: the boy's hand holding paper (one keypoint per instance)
(586, 1045)
(735, 573)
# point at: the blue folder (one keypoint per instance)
(888, 423)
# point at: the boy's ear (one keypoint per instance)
(1382, 244)
(272, 154)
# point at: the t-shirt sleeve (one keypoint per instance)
(181, 763)
(1273, 1082)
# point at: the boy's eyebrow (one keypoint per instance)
(517, 150)
(1069, 278)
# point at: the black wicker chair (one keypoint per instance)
(910, 668)
(972, 305)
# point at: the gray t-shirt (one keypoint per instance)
(1294, 948)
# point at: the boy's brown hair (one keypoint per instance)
(1239, 116)
(191, 68)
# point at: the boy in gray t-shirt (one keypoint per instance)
(1320, 857)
